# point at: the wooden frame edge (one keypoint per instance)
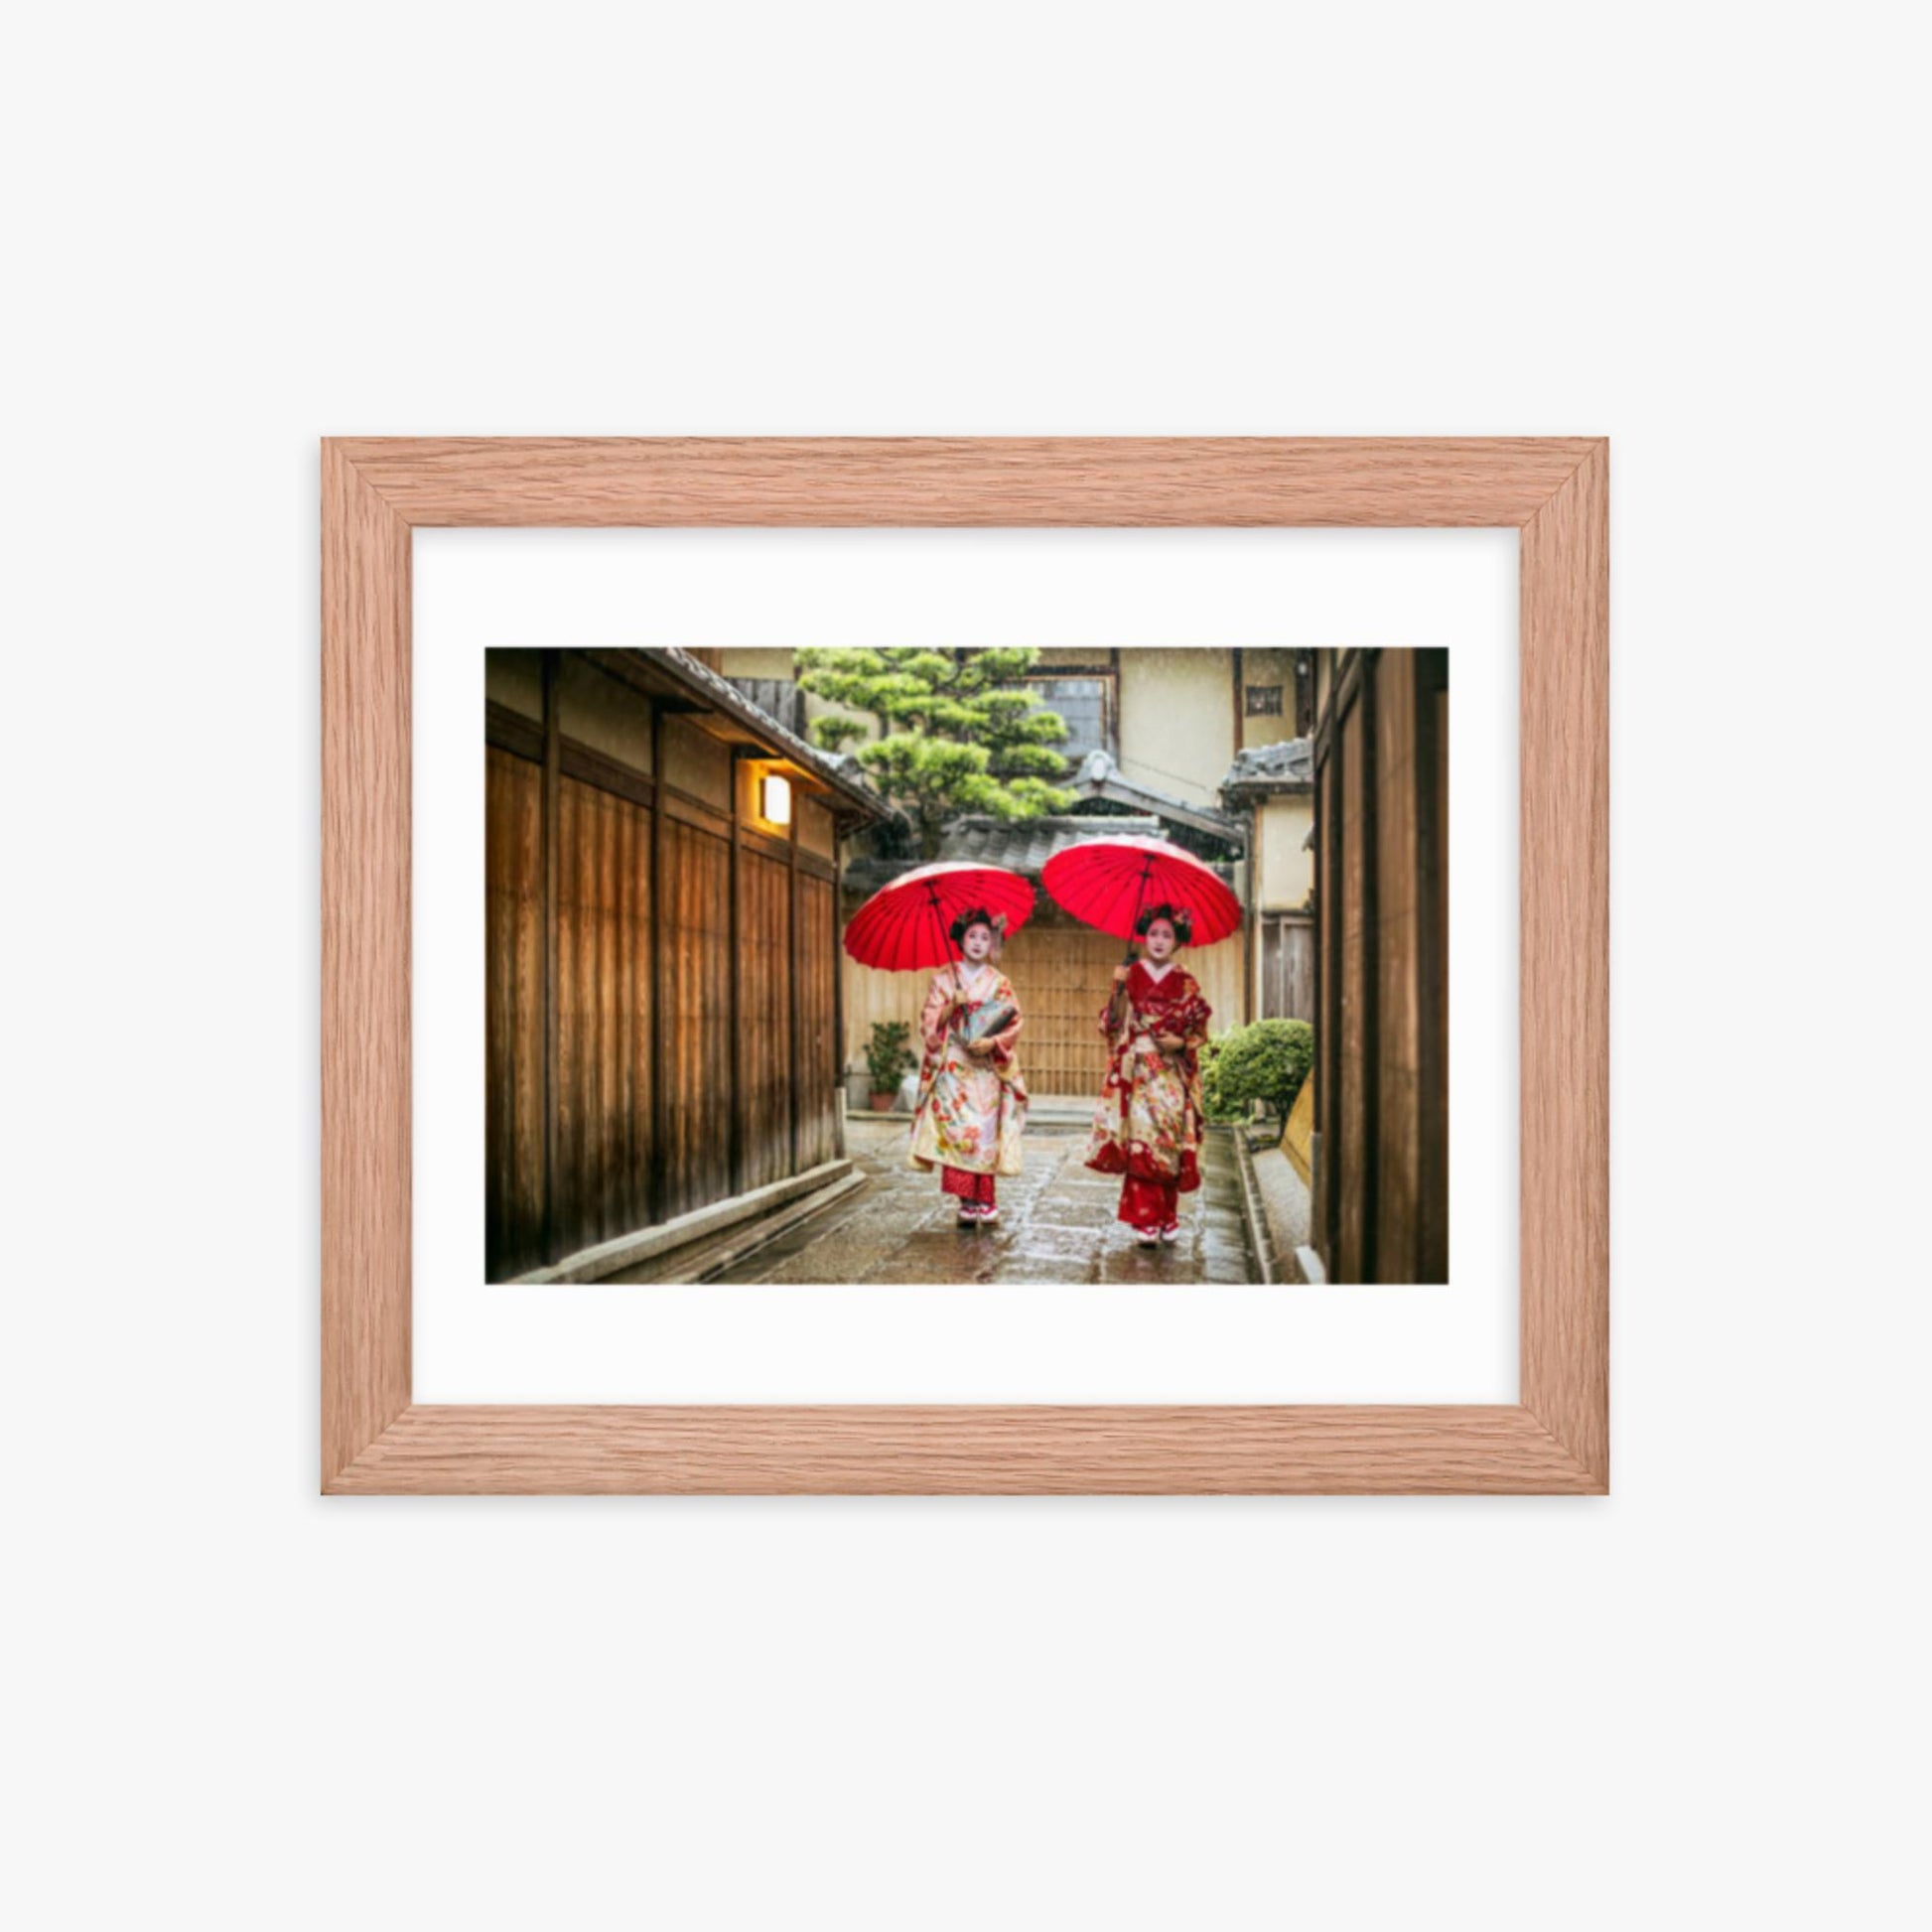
(365, 883)
(941, 481)
(965, 1451)
(1563, 1265)
(374, 1441)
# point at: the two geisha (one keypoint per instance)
(1147, 1124)
(972, 1105)
(971, 1111)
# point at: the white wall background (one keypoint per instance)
(233, 229)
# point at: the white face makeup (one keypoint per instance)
(977, 942)
(1160, 941)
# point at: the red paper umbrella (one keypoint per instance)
(1108, 884)
(909, 923)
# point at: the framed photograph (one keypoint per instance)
(965, 966)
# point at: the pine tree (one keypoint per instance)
(961, 733)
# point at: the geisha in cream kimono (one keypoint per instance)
(1147, 1126)
(972, 1106)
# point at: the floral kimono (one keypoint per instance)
(972, 1111)
(1147, 1126)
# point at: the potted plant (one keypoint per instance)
(886, 1058)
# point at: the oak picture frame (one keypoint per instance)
(376, 1440)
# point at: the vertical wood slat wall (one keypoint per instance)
(513, 1113)
(821, 1096)
(607, 1174)
(1381, 1198)
(765, 1115)
(602, 1182)
(1323, 1217)
(696, 939)
(1287, 967)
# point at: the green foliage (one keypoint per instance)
(955, 735)
(888, 1055)
(835, 733)
(1265, 1061)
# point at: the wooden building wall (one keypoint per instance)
(763, 950)
(664, 1039)
(821, 1093)
(513, 1090)
(1381, 1200)
(694, 1052)
(604, 1009)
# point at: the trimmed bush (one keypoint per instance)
(1265, 1061)
(888, 1055)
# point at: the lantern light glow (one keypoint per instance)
(774, 799)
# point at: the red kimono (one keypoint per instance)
(1147, 1126)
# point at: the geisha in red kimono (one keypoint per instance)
(972, 1106)
(1147, 1126)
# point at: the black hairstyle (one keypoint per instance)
(1183, 926)
(978, 915)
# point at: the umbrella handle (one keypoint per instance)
(1140, 903)
(1119, 988)
(1140, 906)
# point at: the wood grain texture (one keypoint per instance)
(374, 1443)
(515, 1094)
(822, 1098)
(996, 481)
(365, 1228)
(1565, 969)
(981, 1451)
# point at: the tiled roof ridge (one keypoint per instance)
(837, 768)
(1291, 757)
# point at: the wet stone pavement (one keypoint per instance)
(1057, 1223)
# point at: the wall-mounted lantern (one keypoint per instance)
(774, 799)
